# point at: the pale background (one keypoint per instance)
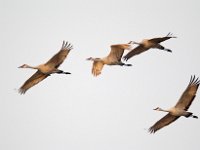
(114, 110)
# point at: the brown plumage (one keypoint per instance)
(180, 109)
(45, 70)
(146, 44)
(114, 58)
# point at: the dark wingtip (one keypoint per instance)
(67, 45)
(151, 130)
(63, 44)
(22, 91)
(125, 58)
(170, 35)
(194, 80)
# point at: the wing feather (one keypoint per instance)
(59, 57)
(97, 67)
(117, 51)
(166, 120)
(161, 39)
(189, 94)
(139, 49)
(33, 80)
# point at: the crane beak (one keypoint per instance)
(156, 108)
(20, 66)
(88, 58)
(133, 42)
(130, 42)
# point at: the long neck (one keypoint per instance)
(95, 59)
(163, 110)
(139, 43)
(32, 67)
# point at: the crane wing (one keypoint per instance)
(139, 49)
(59, 57)
(97, 67)
(117, 51)
(33, 80)
(161, 39)
(166, 120)
(189, 94)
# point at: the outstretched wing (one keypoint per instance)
(117, 51)
(139, 49)
(166, 120)
(161, 39)
(58, 58)
(97, 67)
(189, 94)
(33, 80)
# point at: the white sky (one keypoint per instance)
(114, 110)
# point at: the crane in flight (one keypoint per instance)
(113, 58)
(181, 107)
(45, 70)
(147, 44)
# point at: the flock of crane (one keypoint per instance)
(115, 58)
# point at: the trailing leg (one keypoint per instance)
(189, 114)
(123, 64)
(62, 72)
(164, 49)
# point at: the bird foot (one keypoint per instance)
(168, 50)
(195, 117)
(128, 64)
(66, 72)
(170, 35)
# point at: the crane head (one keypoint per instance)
(157, 108)
(90, 58)
(133, 42)
(23, 66)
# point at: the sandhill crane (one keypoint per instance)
(45, 70)
(181, 107)
(114, 58)
(146, 44)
